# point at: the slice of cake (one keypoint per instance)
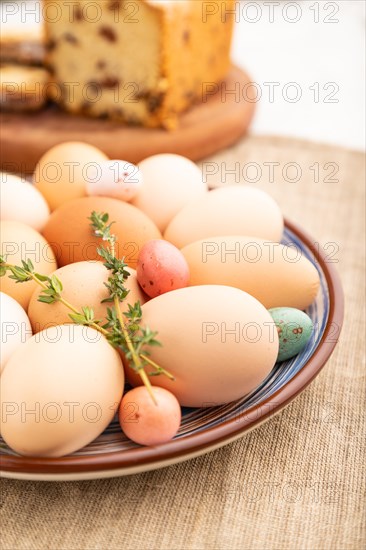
(21, 40)
(140, 61)
(22, 88)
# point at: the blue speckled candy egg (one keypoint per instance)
(294, 330)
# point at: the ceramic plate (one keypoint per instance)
(203, 430)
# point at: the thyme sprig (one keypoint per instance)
(51, 291)
(101, 228)
(122, 330)
(125, 329)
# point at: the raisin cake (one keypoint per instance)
(22, 88)
(22, 42)
(139, 61)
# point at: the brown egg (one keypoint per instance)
(218, 342)
(174, 178)
(59, 391)
(277, 275)
(69, 233)
(232, 210)
(83, 285)
(21, 242)
(62, 173)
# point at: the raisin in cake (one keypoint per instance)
(141, 61)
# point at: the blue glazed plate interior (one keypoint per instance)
(198, 420)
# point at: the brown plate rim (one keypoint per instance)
(186, 447)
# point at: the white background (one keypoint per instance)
(319, 46)
(306, 52)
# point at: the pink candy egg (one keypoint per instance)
(161, 267)
(148, 423)
(117, 179)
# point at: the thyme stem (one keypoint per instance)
(67, 304)
(156, 366)
(135, 357)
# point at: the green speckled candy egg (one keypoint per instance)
(294, 330)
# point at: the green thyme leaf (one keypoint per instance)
(46, 299)
(78, 318)
(99, 223)
(56, 284)
(42, 278)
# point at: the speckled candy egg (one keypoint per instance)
(161, 268)
(294, 330)
(118, 179)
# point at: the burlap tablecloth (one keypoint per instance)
(297, 481)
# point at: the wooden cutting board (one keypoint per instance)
(203, 130)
